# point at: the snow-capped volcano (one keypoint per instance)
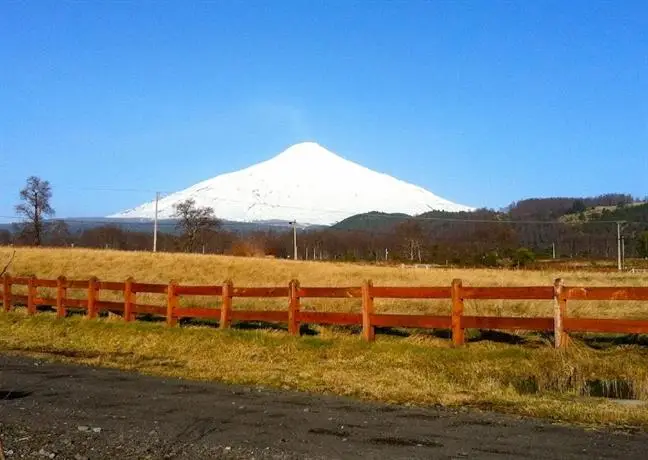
(306, 183)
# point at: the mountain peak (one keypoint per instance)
(304, 147)
(306, 150)
(306, 183)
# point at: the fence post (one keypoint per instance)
(226, 308)
(129, 299)
(61, 296)
(560, 311)
(6, 292)
(458, 338)
(368, 331)
(31, 295)
(172, 303)
(92, 297)
(293, 308)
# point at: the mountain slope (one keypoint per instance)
(306, 183)
(372, 221)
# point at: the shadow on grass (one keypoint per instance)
(198, 322)
(258, 325)
(533, 340)
(487, 335)
(393, 332)
(606, 341)
(150, 318)
(236, 325)
(596, 341)
(472, 335)
(304, 329)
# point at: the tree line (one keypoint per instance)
(480, 238)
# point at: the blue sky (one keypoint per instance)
(481, 102)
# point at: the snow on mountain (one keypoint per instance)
(306, 183)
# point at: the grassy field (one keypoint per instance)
(518, 374)
(206, 269)
(526, 379)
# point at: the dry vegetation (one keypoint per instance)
(524, 376)
(209, 269)
(527, 379)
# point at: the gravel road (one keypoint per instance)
(53, 410)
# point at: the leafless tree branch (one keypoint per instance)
(3, 272)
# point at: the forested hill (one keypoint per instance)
(546, 209)
(373, 221)
(574, 227)
(612, 206)
(635, 212)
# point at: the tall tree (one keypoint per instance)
(194, 222)
(34, 207)
(412, 236)
(642, 241)
(58, 233)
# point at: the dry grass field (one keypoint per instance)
(209, 269)
(494, 371)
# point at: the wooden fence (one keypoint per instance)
(559, 294)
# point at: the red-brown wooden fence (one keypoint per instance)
(559, 294)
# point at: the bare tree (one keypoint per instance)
(194, 222)
(58, 233)
(412, 236)
(35, 207)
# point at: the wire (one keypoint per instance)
(108, 189)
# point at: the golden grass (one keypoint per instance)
(211, 269)
(527, 379)
(249, 271)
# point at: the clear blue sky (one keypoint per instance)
(481, 102)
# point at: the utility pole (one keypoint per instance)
(553, 250)
(619, 246)
(155, 222)
(294, 226)
(623, 253)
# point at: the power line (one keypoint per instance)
(108, 188)
(80, 221)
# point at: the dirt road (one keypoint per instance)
(51, 410)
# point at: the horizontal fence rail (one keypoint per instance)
(223, 312)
